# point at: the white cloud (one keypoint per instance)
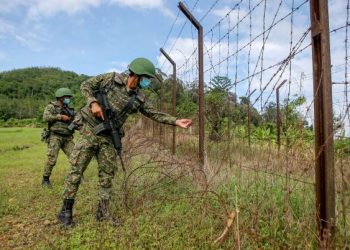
(147, 5)
(150, 4)
(6, 6)
(276, 50)
(337, 9)
(337, 18)
(110, 70)
(183, 49)
(231, 16)
(117, 66)
(52, 7)
(199, 10)
(30, 40)
(222, 12)
(6, 27)
(186, 58)
(27, 38)
(40, 8)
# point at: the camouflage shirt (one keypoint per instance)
(52, 115)
(118, 96)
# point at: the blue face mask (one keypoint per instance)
(66, 101)
(145, 82)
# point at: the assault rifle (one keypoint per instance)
(69, 112)
(110, 125)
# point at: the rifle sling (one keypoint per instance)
(128, 105)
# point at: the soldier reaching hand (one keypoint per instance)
(124, 97)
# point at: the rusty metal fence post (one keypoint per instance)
(161, 128)
(173, 150)
(278, 115)
(324, 156)
(199, 27)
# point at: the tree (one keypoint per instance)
(217, 105)
(269, 115)
(242, 112)
(294, 124)
(220, 83)
(293, 118)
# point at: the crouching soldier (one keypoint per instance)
(111, 98)
(59, 117)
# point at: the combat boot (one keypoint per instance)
(103, 213)
(46, 182)
(66, 214)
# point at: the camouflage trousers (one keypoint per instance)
(57, 142)
(87, 146)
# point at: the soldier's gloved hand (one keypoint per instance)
(97, 110)
(65, 118)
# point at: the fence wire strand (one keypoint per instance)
(253, 47)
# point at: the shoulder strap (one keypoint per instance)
(128, 105)
(105, 88)
(132, 99)
(109, 86)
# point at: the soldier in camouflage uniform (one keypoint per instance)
(119, 91)
(58, 115)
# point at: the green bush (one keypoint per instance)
(12, 122)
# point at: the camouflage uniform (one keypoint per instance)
(60, 136)
(89, 144)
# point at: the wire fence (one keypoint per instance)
(249, 51)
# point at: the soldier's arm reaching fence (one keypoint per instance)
(158, 116)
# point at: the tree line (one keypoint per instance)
(24, 93)
(223, 106)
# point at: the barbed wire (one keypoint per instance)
(209, 10)
(236, 46)
(237, 5)
(180, 32)
(262, 52)
(264, 42)
(346, 58)
(283, 64)
(260, 34)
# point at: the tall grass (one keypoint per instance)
(159, 201)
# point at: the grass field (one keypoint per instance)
(161, 206)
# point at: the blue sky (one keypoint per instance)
(86, 36)
(94, 36)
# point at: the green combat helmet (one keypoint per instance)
(142, 66)
(63, 92)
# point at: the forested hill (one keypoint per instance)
(25, 92)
